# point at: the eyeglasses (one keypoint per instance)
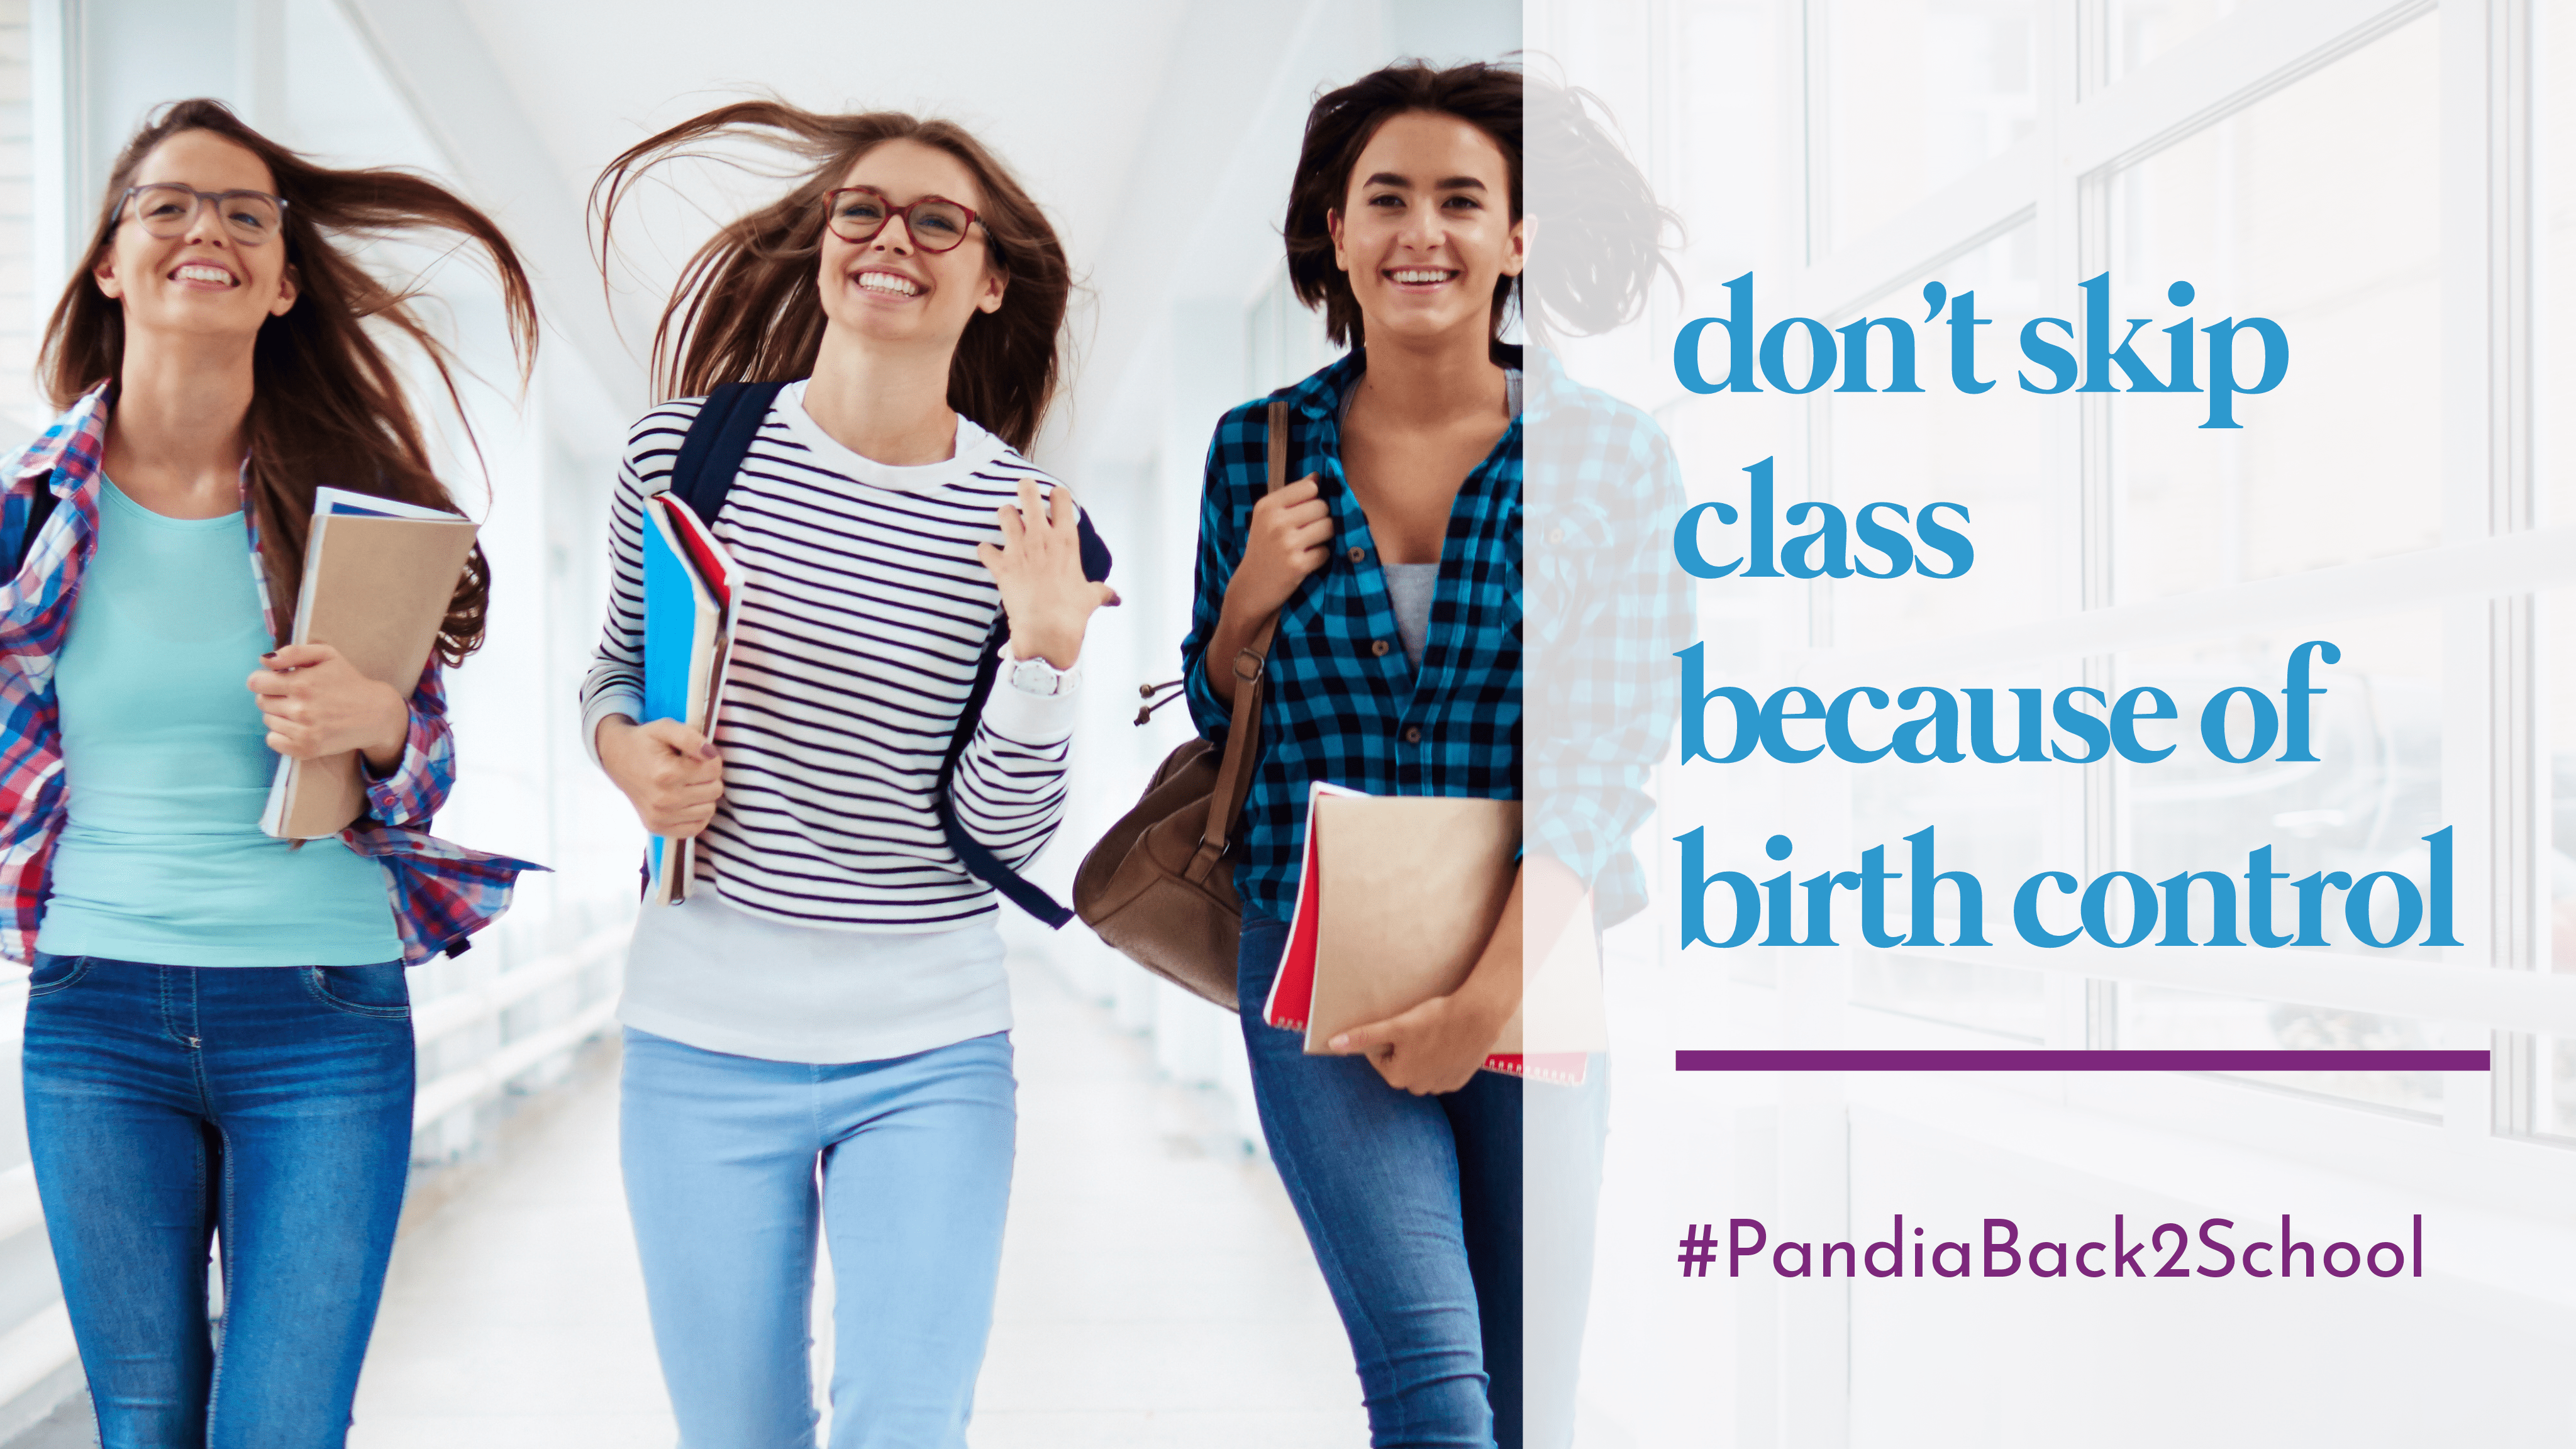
(167, 209)
(858, 213)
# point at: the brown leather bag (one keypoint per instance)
(1160, 884)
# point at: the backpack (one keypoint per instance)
(40, 506)
(711, 455)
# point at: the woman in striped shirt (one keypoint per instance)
(819, 1034)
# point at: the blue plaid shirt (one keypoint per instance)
(1344, 706)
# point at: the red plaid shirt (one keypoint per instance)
(441, 893)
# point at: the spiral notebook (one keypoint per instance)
(691, 593)
(1396, 901)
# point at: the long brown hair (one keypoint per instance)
(748, 306)
(1339, 128)
(327, 404)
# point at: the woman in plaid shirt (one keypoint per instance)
(1393, 566)
(1395, 569)
(218, 1030)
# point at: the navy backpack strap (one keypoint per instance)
(711, 454)
(978, 858)
(719, 438)
(40, 505)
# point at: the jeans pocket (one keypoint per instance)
(379, 991)
(53, 973)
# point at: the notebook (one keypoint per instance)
(378, 578)
(1396, 901)
(691, 588)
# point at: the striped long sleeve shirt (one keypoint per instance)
(860, 625)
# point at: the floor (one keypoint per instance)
(1155, 1289)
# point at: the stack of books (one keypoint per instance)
(1397, 900)
(692, 594)
(378, 578)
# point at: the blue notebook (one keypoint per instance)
(689, 587)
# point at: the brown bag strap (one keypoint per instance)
(1243, 728)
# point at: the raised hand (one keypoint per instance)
(1038, 567)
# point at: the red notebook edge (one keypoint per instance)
(1292, 991)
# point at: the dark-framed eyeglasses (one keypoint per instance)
(167, 209)
(858, 213)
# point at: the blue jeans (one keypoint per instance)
(1413, 1205)
(731, 1165)
(272, 1104)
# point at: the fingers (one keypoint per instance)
(680, 808)
(679, 824)
(299, 656)
(1278, 507)
(1368, 1039)
(678, 738)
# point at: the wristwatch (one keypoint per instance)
(1034, 675)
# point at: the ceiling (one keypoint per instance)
(1060, 92)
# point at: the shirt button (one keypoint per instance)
(1556, 535)
(1413, 734)
(1358, 553)
(1378, 647)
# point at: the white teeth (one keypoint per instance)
(889, 282)
(205, 274)
(1413, 276)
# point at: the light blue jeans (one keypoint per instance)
(732, 1163)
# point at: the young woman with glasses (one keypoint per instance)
(218, 1040)
(818, 1036)
(1394, 570)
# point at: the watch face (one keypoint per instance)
(1036, 676)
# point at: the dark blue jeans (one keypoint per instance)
(1413, 1205)
(165, 1103)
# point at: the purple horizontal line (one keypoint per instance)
(2081, 1061)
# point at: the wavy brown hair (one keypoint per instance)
(1339, 128)
(748, 306)
(327, 404)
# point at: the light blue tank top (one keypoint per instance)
(167, 768)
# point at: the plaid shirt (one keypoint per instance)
(1344, 706)
(440, 892)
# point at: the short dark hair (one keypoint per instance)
(1487, 97)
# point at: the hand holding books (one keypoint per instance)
(692, 596)
(378, 578)
(315, 702)
(670, 773)
(1408, 938)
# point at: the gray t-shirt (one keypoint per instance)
(1408, 588)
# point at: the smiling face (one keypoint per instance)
(203, 281)
(1426, 229)
(887, 289)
